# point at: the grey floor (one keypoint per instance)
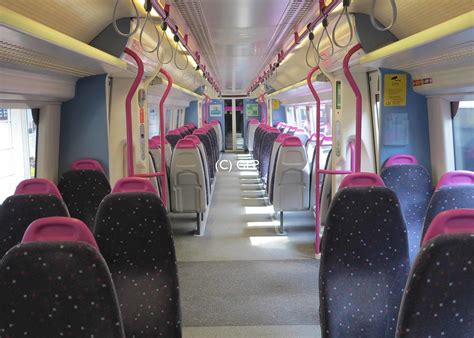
(243, 279)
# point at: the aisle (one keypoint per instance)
(242, 279)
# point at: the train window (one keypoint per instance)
(463, 131)
(153, 123)
(18, 140)
(290, 115)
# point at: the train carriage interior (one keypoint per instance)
(237, 168)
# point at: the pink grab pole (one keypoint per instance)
(318, 144)
(358, 95)
(164, 181)
(128, 110)
(265, 108)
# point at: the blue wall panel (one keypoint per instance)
(418, 130)
(279, 115)
(83, 131)
(190, 115)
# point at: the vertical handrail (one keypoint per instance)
(358, 95)
(164, 181)
(208, 107)
(128, 110)
(264, 102)
(318, 142)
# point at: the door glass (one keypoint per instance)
(18, 134)
(463, 132)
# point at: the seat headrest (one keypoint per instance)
(134, 184)
(186, 144)
(282, 137)
(361, 180)
(458, 177)
(200, 131)
(152, 144)
(300, 130)
(191, 125)
(87, 164)
(194, 138)
(450, 222)
(292, 141)
(174, 132)
(50, 229)
(37, 186)
(254, 121)
(400, 159)
(214, 122)
(273, 130)
(157, 139)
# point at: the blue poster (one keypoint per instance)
(395, 129)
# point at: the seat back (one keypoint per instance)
(364, 261)
(265, 150)
(439, 295)
(134, 234)
(206, 141)
(291, 182)
(454, 191)
(272, 163)
(34, 198)
(188, 185)
(56, 283)
(204, 161)
(218, 129)
(252, 127)
(412, 184)
(173, 136)
(83, 188)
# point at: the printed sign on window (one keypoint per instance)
(395, 129)
(252, 109)
(395, 90)
(215, 110)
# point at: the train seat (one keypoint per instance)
(83, 187)
(252, 127)
(134, 235)
(302, 135)
(455, 190)
(206, 140)
(204, 162)
(265, 150)
(168, 152)
(218, 128)
(56, 283)
(364, 260)
(34, 198)
(271, 164)
(215, 139)
(291, 177)
(413, 186)
(188, 186)
(439, 295)
(173, 136)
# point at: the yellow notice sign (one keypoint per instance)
(275, 104)
(395, 90)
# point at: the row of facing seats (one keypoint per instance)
(364, 268)
(134, 235)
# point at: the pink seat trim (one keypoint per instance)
(458, 177)
(157, 139)
(400, 159)
(200, 131)
(282, 137)
(292, 141)
(450, 222)
(174, 132)
(254, 121)
(273, 130)
(52, 229)
(152, 144)
(87, 164)
(186, 144)
(37, 186)
(134, 184)
(215, 122)
(194, 138)
(362, 179)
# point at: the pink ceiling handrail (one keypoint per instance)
(207, 104)
(317, 169)
(128, 110)
(358, 95)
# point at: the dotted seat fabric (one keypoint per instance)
(173, 139)
(413, 186)
(364, 264)
(57, 289)
(19, 211)
(265, 151)
(439, 296)
(83, 190)
(134, 236)
(448, 198)
(206, 141)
